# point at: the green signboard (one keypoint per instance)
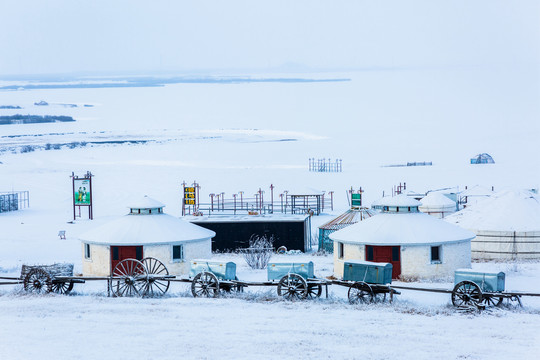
(356, 200)
(82, 191)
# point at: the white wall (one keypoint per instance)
(490, 245)
(99, 263)
(350, 252)
(100, 260)
(416, 260)
(192, 250)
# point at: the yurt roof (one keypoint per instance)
(437, 200)
(402, 229)
(349, 217)
(145, 202)
(380, 201)
(507, 210)
(399, 200)
(146, 230)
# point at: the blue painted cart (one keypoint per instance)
(293, 280)
(367, 281)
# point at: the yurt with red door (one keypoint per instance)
(416, 244)
(146, 231)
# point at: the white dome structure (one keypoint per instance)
(418, 245)
(507, 225)
(437, 205)
(145, 232)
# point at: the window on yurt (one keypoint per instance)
(177, 252)
(87, 251)
(340, 251)
(436, 254)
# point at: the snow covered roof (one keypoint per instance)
(145, 202)
(399, 200)
(507, 210)
(402, 229)
(247, 218)
(146, 230)
(437, 201)
(351, 216)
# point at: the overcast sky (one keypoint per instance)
(62, 36)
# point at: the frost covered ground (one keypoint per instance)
(242, 137)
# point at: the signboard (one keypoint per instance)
(82, 190)
(189, 195)
(356, 199)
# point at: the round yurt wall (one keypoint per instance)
(507, 225)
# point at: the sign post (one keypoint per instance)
(82, 194)
(189, 198)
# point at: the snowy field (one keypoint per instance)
(242, 137)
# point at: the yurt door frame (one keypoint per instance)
(119, 253)
(387, 254)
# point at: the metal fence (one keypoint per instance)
(14, 200)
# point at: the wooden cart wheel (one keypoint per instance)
(292, 287)
(314, 291)
(130, 277)
(62, 287)
(466, 293)
(360, 292)
(156, 285)
(492, 300)
(205, 284)
(38, 281)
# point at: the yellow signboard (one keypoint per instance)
(189, 195)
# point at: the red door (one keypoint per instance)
(387, 254)
(119, 253)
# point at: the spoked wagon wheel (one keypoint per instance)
(156, 285)
(292, 287)
(205, 284)
(314, 291)
(62, 287)
(38, 281)
(466, 293)
(360, 292)
(492, 300)
(129, 278)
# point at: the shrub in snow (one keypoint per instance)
(259, 252)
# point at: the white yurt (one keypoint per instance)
(507, 225)
(437, 204)
(416, 244)
(145, 232)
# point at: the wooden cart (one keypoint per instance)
(146, 278)
(477, 290)
(368, 282)
(293, 280)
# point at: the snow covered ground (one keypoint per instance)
(242, 137)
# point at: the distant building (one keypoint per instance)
(482, 159)
(437, 204)
(416, 244)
